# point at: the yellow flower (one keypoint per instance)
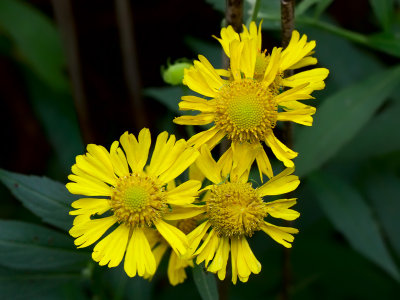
(246, 102)
(129, 199)
(233, 211)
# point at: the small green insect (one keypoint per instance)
(173, 73)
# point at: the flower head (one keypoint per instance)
(245, 102)
(130, 200)
(233, 211)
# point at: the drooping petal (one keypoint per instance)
(208, 166)
(139, 258)
(280, 209)
(195, 237)
(251, 261)
(281, 152)
(282, 235)
(176, 238)
(111, 249)
(208, 249)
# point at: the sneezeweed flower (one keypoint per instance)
(245, 102)
(233, 211)
(130, 198)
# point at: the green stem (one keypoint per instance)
(254, 15)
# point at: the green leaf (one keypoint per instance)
(383, 10)
(168, 96)
(376, 138)
(340, 117)
(16, 285)
(36, 40)
(26, 246)
(384, 193)
(46, 198)
(205, 283)
(348, 212)
(270, 13)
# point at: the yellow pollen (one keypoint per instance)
(138, 200)
(246, 110)
(235, 209)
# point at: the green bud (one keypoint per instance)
(173, 73)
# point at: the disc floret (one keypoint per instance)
(138, 200)
(246, 110)
(235, 209)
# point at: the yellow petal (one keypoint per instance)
(243, 156)
(183, 161)
(300, 92)
(195, 237)
(111, 249)
(200, 119)
(195, 80)
(234, 258)
(282, 235)
(136, 151)
(225, 162)
(139, 258)
(263, 163)
(176, 238)
(202, 137)
(225, 256)
(207, 250)
(185, 193)
(314, 78)
(195, 173)
(302, 117)
(118, 160)
(87, 185)
(242, 267)
(208, 166)
(89, 232)
(196, 103)
(251, 261)
(280, 209)
(280, 184)
(281, 152)
(90, 206)
(273, 67)
(184, 212)
(176, 269)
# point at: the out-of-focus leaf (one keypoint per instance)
(205, 283)
(36, 40)
(16, 285)
(384, 192)
(210, 49)
(348, 212)
(57, 114)
(217, 4)
(26, 246)
(340, 117)
(386, 42)
(304, 5)
(321, 7)
(168, 96)
(378, 137)
(46, 198)
(124, 287)
(270, 13)
(340, 74)
(383, 10)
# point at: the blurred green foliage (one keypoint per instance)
(349, 162)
